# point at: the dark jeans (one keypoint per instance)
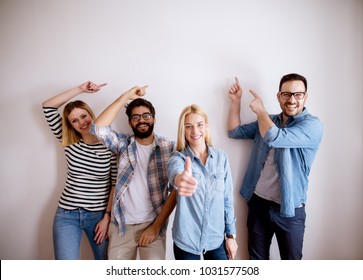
(264, 221)
(218, 254)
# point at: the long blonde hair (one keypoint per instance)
(69, 134)
(196, 109)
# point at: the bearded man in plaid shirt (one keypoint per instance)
(142, 200)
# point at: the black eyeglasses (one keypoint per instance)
(299, 95)
(145, 116)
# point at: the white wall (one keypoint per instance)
(187, 51)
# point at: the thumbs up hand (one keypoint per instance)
(185, 182)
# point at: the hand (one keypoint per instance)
(231, 247)
(136, 92)
(256, 104)
(101, 230)
(185, 182)
(235, 92)
(148, 236)
(90, 87)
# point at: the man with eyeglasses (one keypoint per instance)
(142, 202)
(276, 180)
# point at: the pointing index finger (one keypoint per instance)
(253, 93)
(141, 91)
(237, 81)
(102, 85)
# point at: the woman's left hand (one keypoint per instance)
(91, 87)
(231, 247)
(102, 229)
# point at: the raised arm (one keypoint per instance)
(264, 120)
(62, 98)
(110, 113)
(235, 96)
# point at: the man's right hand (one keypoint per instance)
(136, 92)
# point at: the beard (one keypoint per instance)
(143, 134)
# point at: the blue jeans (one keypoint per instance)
(264, 221)
(217, 254)
(67, 233)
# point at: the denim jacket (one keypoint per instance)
(296, 145)
(201, 220)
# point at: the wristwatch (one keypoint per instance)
(231, 236)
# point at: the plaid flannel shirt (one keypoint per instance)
(125, 147)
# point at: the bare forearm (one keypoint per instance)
(234, 118)
(166, 210)
(109, 114)
(264, 122)
(60, 99)
(110, 199)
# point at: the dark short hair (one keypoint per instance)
(137, 103)
(293, 77)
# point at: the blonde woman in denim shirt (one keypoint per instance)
(204, 222)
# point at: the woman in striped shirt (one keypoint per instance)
(86, 200)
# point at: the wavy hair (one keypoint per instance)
(69, 134)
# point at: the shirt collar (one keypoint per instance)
(189, 152)
(296, 117)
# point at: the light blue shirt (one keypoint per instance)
(201, 220)
(296, 145)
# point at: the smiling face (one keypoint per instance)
(195, 128)
(80, 120)
(292, 107)
(142, 128)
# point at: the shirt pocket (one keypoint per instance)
(217, 181)
(197, 176)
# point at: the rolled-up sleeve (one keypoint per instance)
(246, 131)
(307, 133)
(109, 137)
(175, 166)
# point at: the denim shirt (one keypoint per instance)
(296, 145)
(201, 220)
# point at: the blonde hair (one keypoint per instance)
(69, 134)
(181, 142)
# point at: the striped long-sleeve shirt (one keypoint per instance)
(91, 170)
